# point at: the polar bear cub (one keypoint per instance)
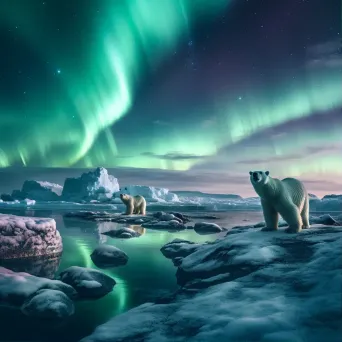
(134, 204)
(287, 197)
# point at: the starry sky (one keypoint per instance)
(184, 94)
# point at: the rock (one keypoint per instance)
(178, 248)
(89, 283)
(324, 219)
(22, 237)
(93, 185)
(249, 291)
(105, 256)
(207, 228)
(19, 288)
(48, 304)
(172, 225)
(122, 233)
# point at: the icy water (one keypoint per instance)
(147, 275)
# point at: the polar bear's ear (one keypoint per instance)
(267, 173)
(250, 172)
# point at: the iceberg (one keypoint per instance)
(39, 191)
(151, 193)
(94, 185)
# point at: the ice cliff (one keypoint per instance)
(94, 185)
(151, 193)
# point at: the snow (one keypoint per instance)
(17, 204)
(247, 286)
(22, 236)
(88, 282)
(151, 193)
(19, 290)
(94, 185)
(105, 256)
(50, 304)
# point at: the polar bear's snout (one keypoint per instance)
(256, 176)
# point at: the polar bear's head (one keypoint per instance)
(259, 177)
(125, 198)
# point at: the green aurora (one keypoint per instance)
(98, 88)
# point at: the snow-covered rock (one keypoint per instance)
(179, 248)
(151, 193)
(208, 228)
(88, 282)
(255, 287)
(39, 191)
(28, 237)
(48, 304)
(325, 219)
(106, 256)
(172, 225)
(94, 185)
(122, 233)
(19, 290)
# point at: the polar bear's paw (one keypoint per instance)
(268, 229)
(293, 230)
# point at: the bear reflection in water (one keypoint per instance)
(137, 228)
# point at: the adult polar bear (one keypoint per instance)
(134, 204)
(287, 197)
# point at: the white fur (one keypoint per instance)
(134, 204)
(287, 197)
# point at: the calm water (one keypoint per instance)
(147, 274)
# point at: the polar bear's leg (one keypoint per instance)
(271, 216)
(130, 208)
(143, 208)
(305, 213)
(137, 210)
(291, 216)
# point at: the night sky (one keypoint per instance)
(184, 94)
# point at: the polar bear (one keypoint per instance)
(134, 204)
(287, 197)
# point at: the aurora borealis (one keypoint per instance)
(192, 93)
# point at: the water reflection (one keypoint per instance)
(41, 267)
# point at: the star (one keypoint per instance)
(58, 71)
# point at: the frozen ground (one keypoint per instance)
(247, 286)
